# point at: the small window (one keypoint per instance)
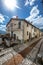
(35, 29)
(14, 24)
(19, 24)
(11, 24)
(27, 32)
(32, 27)
(27, 24)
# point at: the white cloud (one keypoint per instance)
(27, 2)
(30, 2)
(2, 18)
(41, 27)
(14, 16)
(3, 27)
(34, 18)
(6, 16)
(38, 20)
(34, 10)
(33, 13)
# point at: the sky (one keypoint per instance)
(31, 10)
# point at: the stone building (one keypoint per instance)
(21, 29)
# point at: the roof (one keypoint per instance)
(14, 19)
(22, 20)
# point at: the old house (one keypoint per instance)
(21, 29)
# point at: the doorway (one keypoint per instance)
(11, 34)
(14, 36)
(29, 35)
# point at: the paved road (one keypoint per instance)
(27, 50)
(37, 50)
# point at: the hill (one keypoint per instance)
(41, 30)
(2, 32)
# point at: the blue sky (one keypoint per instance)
(31, 10)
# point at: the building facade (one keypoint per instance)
(21, 29)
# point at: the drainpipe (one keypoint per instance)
(22, 41)
(23, 33)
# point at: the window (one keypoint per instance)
(27, 32)
(32, 27)
(11, 34)
(35, 29)
(14, 24)
(19, 25)
(27, 24)
(11, 24)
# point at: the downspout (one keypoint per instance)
(23, 33)
(22, 41)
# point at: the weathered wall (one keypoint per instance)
(26, 29)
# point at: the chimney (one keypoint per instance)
(31, 22)
(16, 17)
